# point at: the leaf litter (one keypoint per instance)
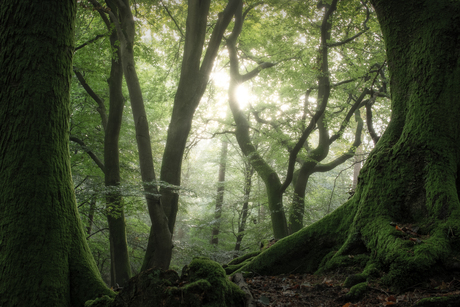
(327, 290)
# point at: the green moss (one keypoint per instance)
(243, 258)
(303, 251)
(229, 269)
(354, 280)
(208, 286)
(104, 301)
(372, 270)
(444, 301)
(357, 291)
(342, 261)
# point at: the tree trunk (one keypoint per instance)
(248, 173)
(264, 170)
(313, 166)
(357, 166)
(120, 263)
(92, 210)
(160, 237)
(220, 194)
(44, 258)
(268, 175)
(192, 84)
(410, 178)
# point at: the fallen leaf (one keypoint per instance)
(391, 298)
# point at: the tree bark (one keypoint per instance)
(411, 177)
(220, 194)
(44, 257)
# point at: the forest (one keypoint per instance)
(179, 153)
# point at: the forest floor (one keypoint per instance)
(327, 290)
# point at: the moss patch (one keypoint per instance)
(357, 291)
(203, 284)
(344, 261)
(104, 301)
(354, 280)
(207, 285)
(443, 301)
(243, 258)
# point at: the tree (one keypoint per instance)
(44, 258)
(220, 193)
(320, 119)
(192, 85)
(243, 215)
(111, 124)
(411, 177)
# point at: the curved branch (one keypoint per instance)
(345, 121)
(323, 94)
(348, 39)
(370, 125)
(89, 152)
(90, 41)
(102, 229)
(347, 155)
(101, 106)
(216, 37)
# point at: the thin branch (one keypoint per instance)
(78, 185)
(350, 113)
(378, 72)
(90, 41)
(173, 19)
(357, 35)
(348, 154)
(222, 132)
(101, 106)
(102, 229)
(89, 152)
(348, 39)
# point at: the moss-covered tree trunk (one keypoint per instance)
(411, 177)
(44, 257)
